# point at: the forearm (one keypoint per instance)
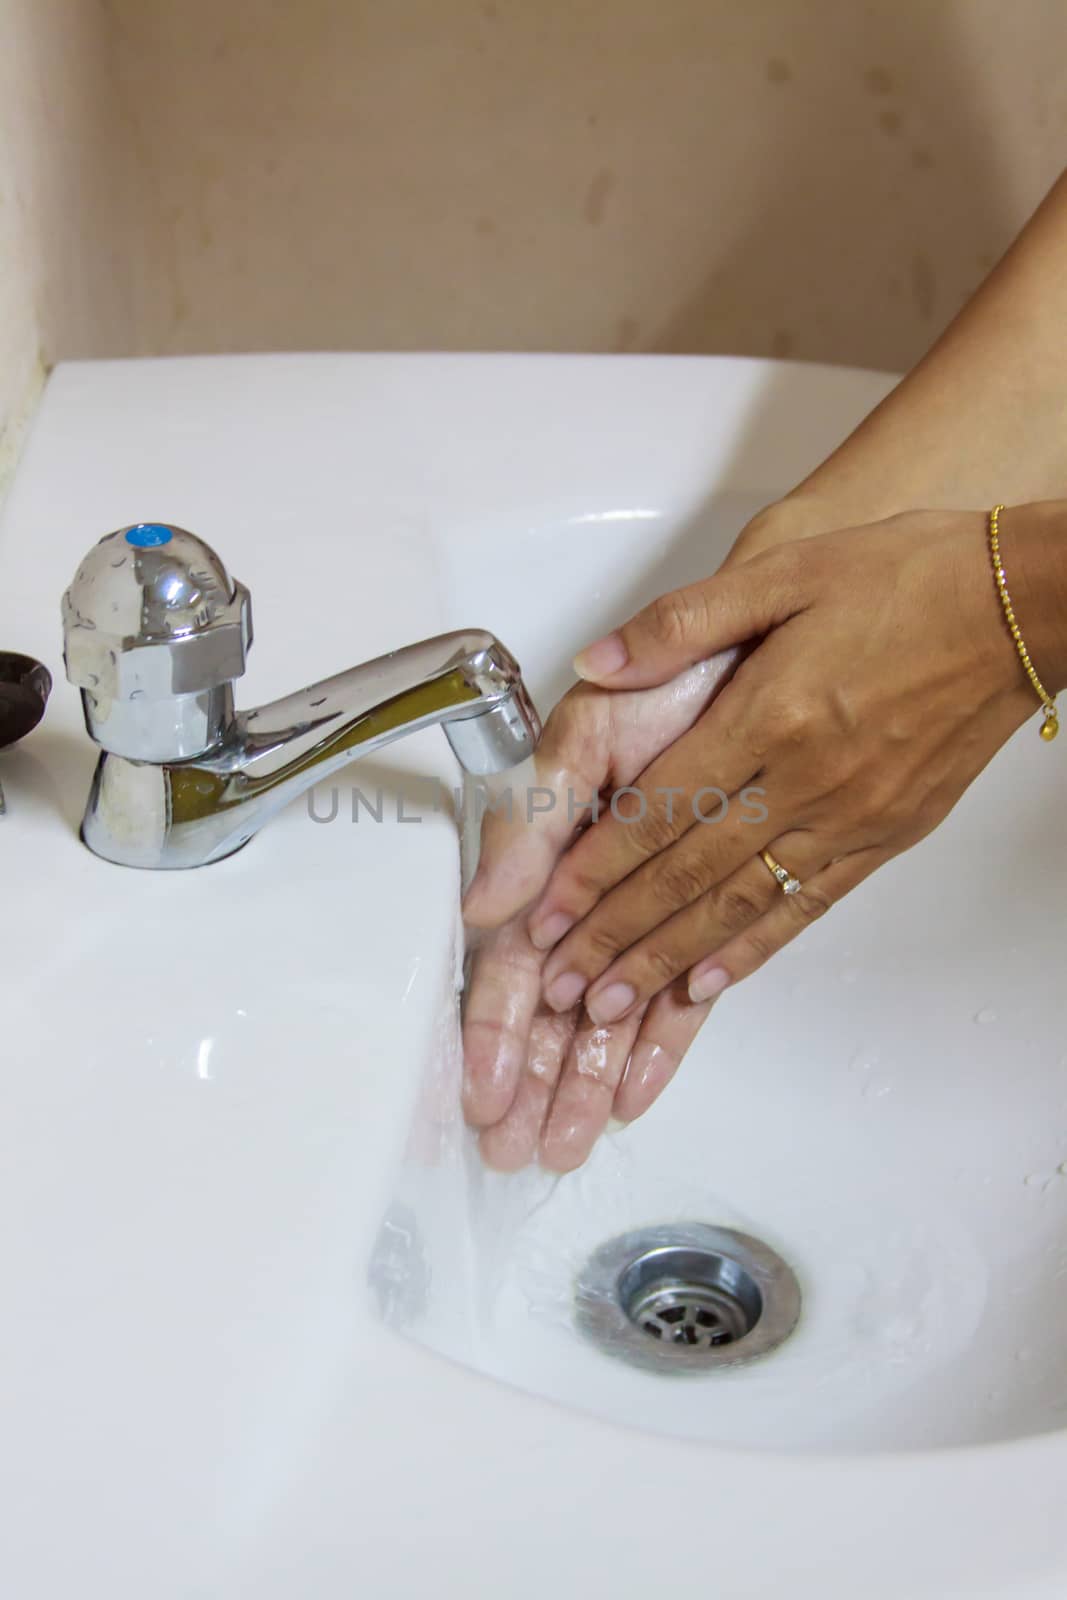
(983, 417)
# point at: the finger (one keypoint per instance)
(526, 825)
(737, 604)
(726, 910)
(657, 812)
(582, 1103)
(747, 952)
(668, 1028)
(654, 891)
(501, 999)
(512, 1142)
(531, 817)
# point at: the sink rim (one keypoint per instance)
(485, 1421)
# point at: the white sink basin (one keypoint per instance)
(229, 1096)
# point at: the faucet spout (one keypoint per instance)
(172, 807)
(468, 682)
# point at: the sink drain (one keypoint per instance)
(686, 1297)
(690, 1297)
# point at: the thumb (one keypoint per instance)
(523, 833)
(539, 809)
(688, 625)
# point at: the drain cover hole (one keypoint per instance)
(696, 1298)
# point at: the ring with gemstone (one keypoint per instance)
(786, 881)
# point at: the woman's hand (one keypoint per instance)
(883, 683)
(537, 1082)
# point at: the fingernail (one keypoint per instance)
(550, 930)
(610, 1003)
(565, 991)
(706, 982)
(601, 659)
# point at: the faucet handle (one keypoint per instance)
(155, 632)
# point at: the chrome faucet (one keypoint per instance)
(155, 635)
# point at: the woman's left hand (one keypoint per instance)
(883, 683)
(537, 1082)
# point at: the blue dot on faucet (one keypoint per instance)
(147, 535)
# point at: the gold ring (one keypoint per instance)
(786, 881)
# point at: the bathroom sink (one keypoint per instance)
(270, 1330)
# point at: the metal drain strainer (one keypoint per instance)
(685, 1297)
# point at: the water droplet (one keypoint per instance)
(877, 1089)
(987, 1014)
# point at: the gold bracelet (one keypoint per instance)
(1050, 725)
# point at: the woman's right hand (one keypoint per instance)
(538, 1084)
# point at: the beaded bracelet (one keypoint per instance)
(1050, 725)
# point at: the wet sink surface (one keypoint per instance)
(229, 1095)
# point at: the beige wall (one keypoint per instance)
(67, 256)
(819, 178)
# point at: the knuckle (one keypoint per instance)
(844, 709)
(601, 941)
(653, 831)
(809, 904)
(675, 617)
(758, 948)
(580, 884)
(660, 967)
(736, 905)
(678, 882)
(793, 718)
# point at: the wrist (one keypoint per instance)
(1033, 548)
